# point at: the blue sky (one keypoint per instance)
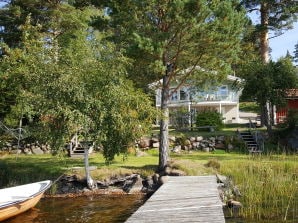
(281, 44)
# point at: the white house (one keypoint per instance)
(223, 98)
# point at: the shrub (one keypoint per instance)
(292, 119)
(209, 118)
(179, 118)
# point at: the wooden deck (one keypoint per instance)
(183, 199)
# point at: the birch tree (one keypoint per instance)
(69, 80)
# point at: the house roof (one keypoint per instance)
(157, 84)
(234, 78)
(292, 93)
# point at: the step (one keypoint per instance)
(77, 155)
(80, 151)
(248, 138)
(255, 151)
(251, 142)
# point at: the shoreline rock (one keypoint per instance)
(76, 185)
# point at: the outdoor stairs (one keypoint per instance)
(250, 142)
(77, 152)
(77, 149)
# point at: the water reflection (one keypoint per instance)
(91, 209)
(101, 209)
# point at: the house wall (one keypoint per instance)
(231, 114)
(223, 98)
(293, 104)
(282, 113)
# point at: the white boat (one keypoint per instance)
(16, 200)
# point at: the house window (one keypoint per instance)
(223, 91)
(183, 95)
(174, 95)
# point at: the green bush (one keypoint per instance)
(210, 118)
(292, 119)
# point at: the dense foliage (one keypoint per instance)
(274, 16)
(73, 66)
(269, 83)
(209, 118)
(70, 81)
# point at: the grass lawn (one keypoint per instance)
(19, 169)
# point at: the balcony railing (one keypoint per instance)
(231, 97)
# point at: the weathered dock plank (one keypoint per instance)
(183, 199)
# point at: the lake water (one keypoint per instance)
(95, 209)
(85, 209)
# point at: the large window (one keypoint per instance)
(223, 91)
(174, 95)
(183, 95)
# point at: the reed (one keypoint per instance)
(269, 186)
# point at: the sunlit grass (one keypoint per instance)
(21, 169)
(269, 185)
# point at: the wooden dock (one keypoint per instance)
(183, 199)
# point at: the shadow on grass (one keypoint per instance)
(17, 170)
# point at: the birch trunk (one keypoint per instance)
(90, 182)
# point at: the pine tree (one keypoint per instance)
(295, 57)
(174, 41)
(14, 16)
(277, 16)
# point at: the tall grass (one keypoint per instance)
(269, 186)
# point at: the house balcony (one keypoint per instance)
(205, 100)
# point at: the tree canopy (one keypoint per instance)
(68, 80)
(269, 83)
(275, 16)
(174, 41)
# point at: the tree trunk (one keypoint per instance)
(264, 48)
(263, 109)
(164, 125)
(90, 182)
(264, 35)
(266, 117)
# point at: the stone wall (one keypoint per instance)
(177, 144)
(26, 148)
